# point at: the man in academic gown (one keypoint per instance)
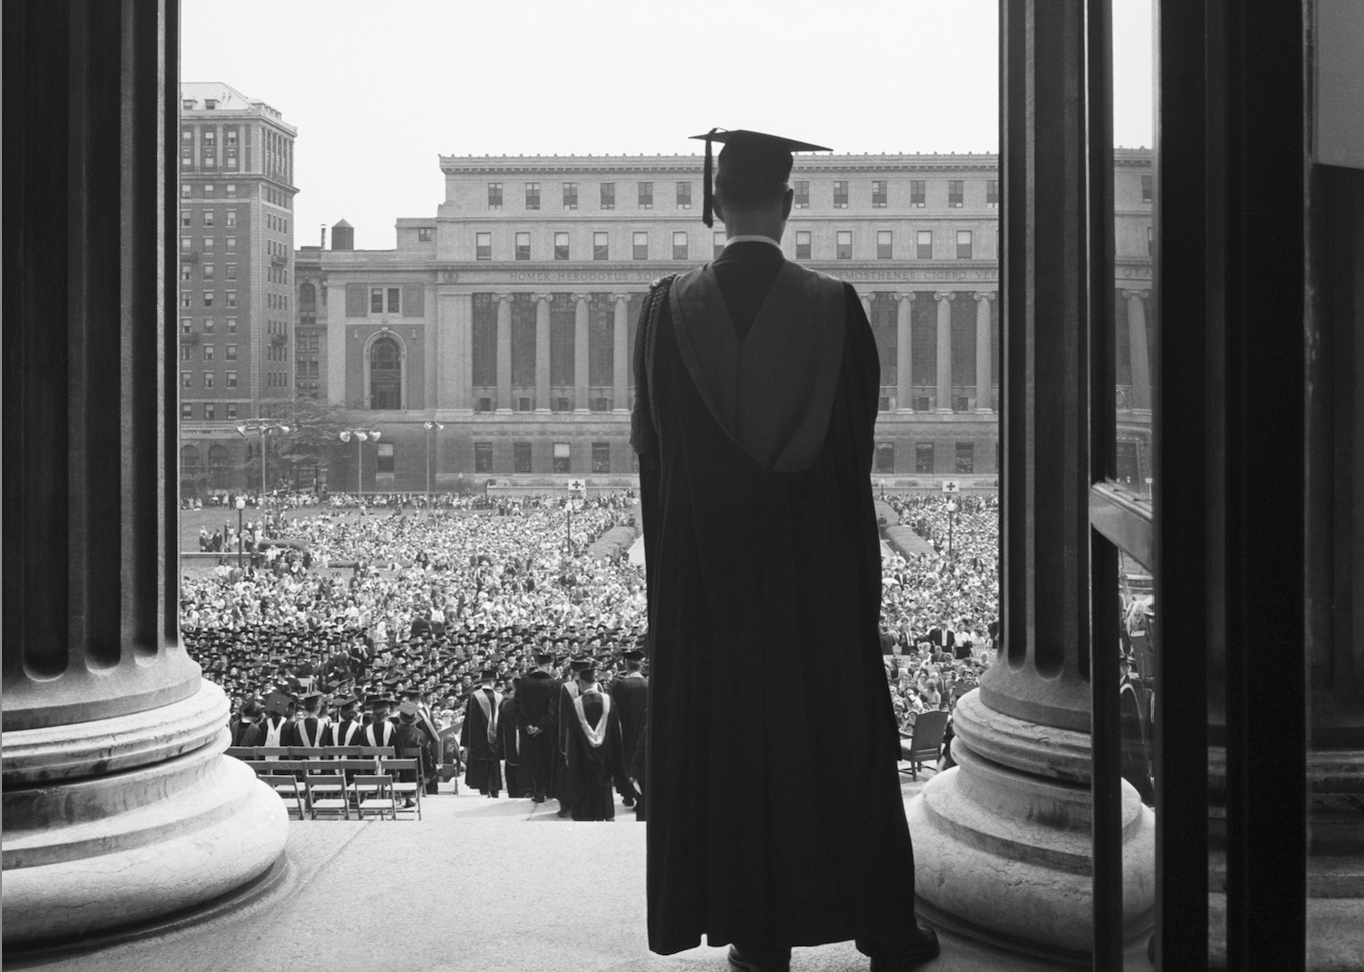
(309, 730)
(509, 742)
(593, 751)
(345, 731)
(380, 731)
(535, 696)
(775, 812)
(630, 696)
(563, 708)
(478, 737)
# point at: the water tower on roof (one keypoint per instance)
(343, 236)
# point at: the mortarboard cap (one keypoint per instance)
(277, 703)
(632, 655)
(750, 154)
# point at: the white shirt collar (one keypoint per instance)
(752, 238)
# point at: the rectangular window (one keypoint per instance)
(210, 410)
(684, 195)
(561, 457)
(992, 193)
(840, 194)
(231, 325)
(923, 457)
(608, 195)
(186, 325)
(956, 194)
(719, 244)
(917, 195)
(208, 325)
(208, 243)
(523, 246)
(483, 246)
(231, 271)
(210, 271)
(186, 218)
(184, 352)
(186, 271)
(1148, 184)
(394, 302)
(601, 246)
(232, 411)
(208, 352)
(802, 244)
(208, 217)
(494, 195)
(186, 379)
(230, 298)
(963, 244)
(570, 195)
(966, 457)
(878, 193)
(601, 457)
(231, 218)
(802, 194)
(646, 195)
(184, 190)
(885, 244)
(844, 239)
(680, 246)
(885, 457)
(230, 243)
(208, 383)
(641, 249)
(923, 249)
(423, 234)
(532, 195)
(186, 244)
(483, 457)
(521, 457)
(376, 300)
(229, 352)
(231, 189)
(208, 298)
(383, 457)
(230, 379)
(186, 412)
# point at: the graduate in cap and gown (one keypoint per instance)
(311, 730)
(478, 737)
(535, 695)
(593, 751)
(346, 730)
(562, 711)
(630, 695)
(775, 812)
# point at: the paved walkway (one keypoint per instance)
(476, 886)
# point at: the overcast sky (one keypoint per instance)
(378, 90)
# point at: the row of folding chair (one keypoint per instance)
(374, 786)
(249, 753)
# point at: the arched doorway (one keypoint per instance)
(191, 472)
(385, 374)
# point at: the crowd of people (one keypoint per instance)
(362, 600)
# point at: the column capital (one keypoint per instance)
(582, 298)
(620, 298)
(1143, 294)
(905, 295)
(506, 297)
(548, 298)
(944, 295)
(986, 294)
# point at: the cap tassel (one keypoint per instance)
(706, 191)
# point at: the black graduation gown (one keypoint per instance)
(509, 746)
(775, 810)
(592, 769)
(482, 772)
(630, 695)
(534, 698)
(564, 695)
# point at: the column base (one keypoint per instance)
(944, 411)
(985, 411)
(1006, 852)
(111, 849)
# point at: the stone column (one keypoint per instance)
(904, 360)
(336, 343)
(866, 305)
(1141, 355)
(620, 355)
(580, 371)
(504, 388)
(542, 302)
(454, 324)
(944, 403)
(119, 805)
(1004, 848)
(983, 376)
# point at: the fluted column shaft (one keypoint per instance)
(542, 302)
(1137, 345)
(904, 359)
(580, 352)
(944, 299)
(504, 389)
(455, 346)
(984, 404)
(620, 355)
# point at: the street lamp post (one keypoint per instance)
(430, 427)
(360, 435)
(241, 505)
(951, 524)
(264, 429)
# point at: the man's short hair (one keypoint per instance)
(748, 192)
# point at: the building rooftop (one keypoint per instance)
(225, 98)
